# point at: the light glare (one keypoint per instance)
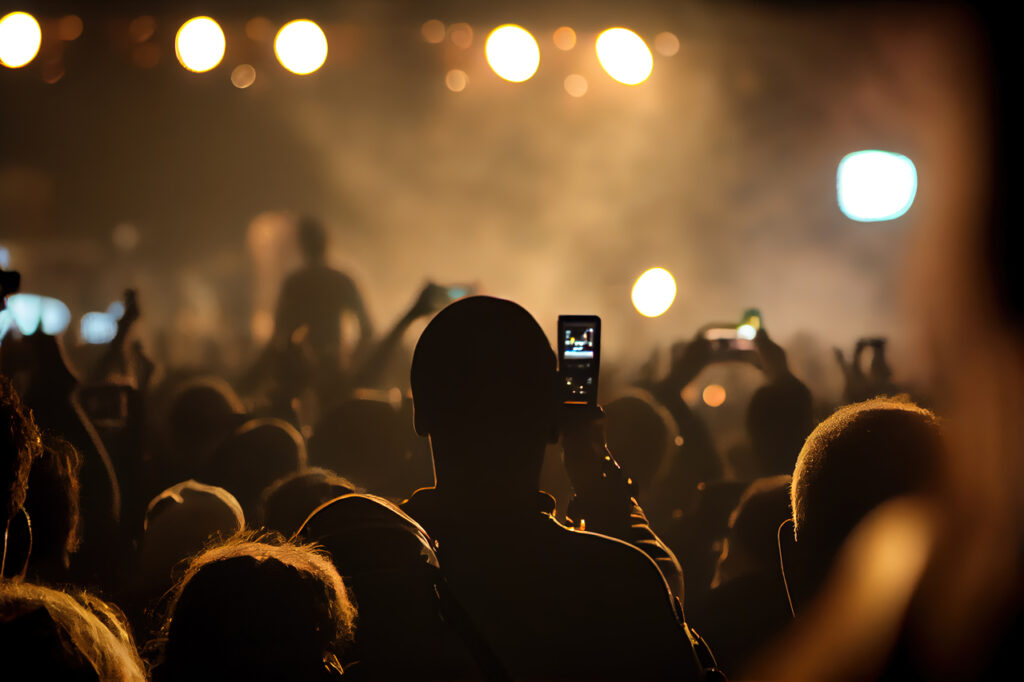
(713, 395)
(199, 44)
(624, 55)
(654, 292)
(513, 53)
(301, 47)
(873, 185)
(20, 38)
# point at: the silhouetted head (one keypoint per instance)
(861, 456)
(180, 521)
(258, 453)
(53, 507)
(485, 390)
(641, 435)
(752, 542)
(257, 609)
(367, 441)
(290, 500)
(46, 634)
(312, 239)
(203, 412)
(20, 444)
(779, 417)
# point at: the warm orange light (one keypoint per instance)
(714, 395)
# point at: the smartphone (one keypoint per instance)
(579, 357)
(731, 341)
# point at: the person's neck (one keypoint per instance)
(490, 486)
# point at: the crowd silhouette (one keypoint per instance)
(306, 520)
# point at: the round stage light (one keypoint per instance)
(624, 55)
(301, 46)
(199, 44)
(513, 53)
(654, 292)
(713, 395)
(873, 185)
(20, 38)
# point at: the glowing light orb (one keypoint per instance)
(654, 292)
(30, 312)
(301, 46)
(666, 44)
(746, 331)
(242, 76)
(713, 395)
(625, 56)
(433, 31)
(512, 53)
(575, 85)
(564, 38)
(20, 38)
(456, 80)
(873, 185)
(199, 44)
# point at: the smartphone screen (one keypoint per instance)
(725, 339)
(579, 356)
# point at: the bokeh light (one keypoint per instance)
(31, 312)
(142, 28)
(301, 46)
(199, 44)
(564, 38)
(461, 35)
(433, 31)
(456, 80)
(125, 237)
(69, 27)
(666, 44)
(713, 395)
(654, 292)
(259, 30)
(513, 53)
(575, 85)
(874, 185)
(242, 76)
(746, 331)
(20, 38)
(624, 55)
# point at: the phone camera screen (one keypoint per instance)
(579, 360)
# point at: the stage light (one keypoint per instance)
(624, 55)
(575, 85)
(301, 47)
(666, 44)
(512, 53)
(30, 312)
(456, 80)
(20, 38)
(654, 292)
(199, 44)
(713, 395)
(564, 38)
(873, 185)
(97, 328)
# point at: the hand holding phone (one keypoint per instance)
(734, 341)
(579, 358)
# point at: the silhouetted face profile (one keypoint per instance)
(484, 389)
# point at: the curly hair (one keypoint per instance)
(20, 444)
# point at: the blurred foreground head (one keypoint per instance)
(46, 634)
(485, 390)
(257, 609)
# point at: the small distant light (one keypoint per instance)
(142, 28)
(624, 55)
(512, 53)
(97, 328)
(456, 80)
(69, 27)
(666, 44)
(20, 38)
(5, 257)
(301, 46)
(461, 35)
(564, 38)
(746, 331)
(259, 29)
(713, 395)
(654, 292)
(125, 237)
(575, 85)
(433, 31)
(242, 76)
(146, 56)
(874, 185)
(678, 441)
(199, 44)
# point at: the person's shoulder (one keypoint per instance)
(605, 551)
